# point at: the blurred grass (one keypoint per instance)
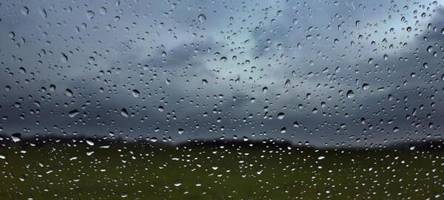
(135, 171)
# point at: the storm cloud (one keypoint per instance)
(323, 72)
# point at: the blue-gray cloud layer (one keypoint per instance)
(339, 72)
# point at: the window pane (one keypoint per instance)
(194, 99)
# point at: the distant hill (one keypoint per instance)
(17, 139)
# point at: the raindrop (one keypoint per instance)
(43, 13)
(202, 18)
(287, 83)
(350, 94)
(365, 86)
(90, 143)
(136, 93)
(124, 112)
(430, 49)
(103, 10)
(64, 57)
(22, 70)
(16, 137)
(314, 111)
(25, 10)
(281, 115)
(8, 87)
(264, 89)
(52, 87)
(73, 113)
(69, 93)
(90, 14)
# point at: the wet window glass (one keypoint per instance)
(196, 99)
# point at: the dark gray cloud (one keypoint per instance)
(346, 72)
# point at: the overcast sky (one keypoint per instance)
(326, 72)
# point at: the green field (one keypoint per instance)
(76, 170)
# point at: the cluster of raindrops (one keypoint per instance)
(297, 99)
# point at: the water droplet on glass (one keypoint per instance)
(350, 94)
(264, 89)
(64, 57)
(16, 137)
(25, 10)
(73, 113)
(52, 88)
(90, 143)
(365, 86)
(136, 93)
(69, 93)
(124, 112)
(281, 115)
(202, 18)
(90, 14)
(287, 83)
